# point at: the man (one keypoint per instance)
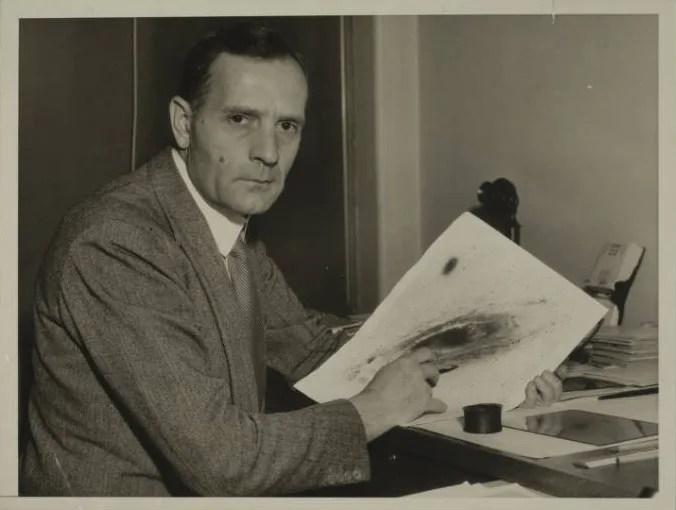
(155, 318)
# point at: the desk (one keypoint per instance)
(556, 476)
(407, 460)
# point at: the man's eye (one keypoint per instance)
(238, 119)
(289, 127)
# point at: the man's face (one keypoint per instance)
(245, 136)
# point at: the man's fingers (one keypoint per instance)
(554, 382)
(531, 395)
(546, 391)
(422, 354)
(430, 373)
(436, 406)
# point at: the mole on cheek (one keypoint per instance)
(221, 159)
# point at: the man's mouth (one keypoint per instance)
(259, 182)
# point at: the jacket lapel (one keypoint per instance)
(192, 233)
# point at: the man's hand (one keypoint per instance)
(544, 390)
(399, 393)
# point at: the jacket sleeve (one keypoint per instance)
(298, 339)
(131, 311)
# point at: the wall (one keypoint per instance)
(397, 146)
(567, 111)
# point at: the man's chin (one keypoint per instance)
(253, 211)
(246, 201)
(258, 206)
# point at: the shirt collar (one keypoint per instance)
(225, 229)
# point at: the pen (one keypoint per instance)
(630, 393)
(353, 325)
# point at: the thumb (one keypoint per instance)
(436, 406)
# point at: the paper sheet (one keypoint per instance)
(538, 446)
(491, 312)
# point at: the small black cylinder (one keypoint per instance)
(483, 418)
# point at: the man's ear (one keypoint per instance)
(180, 116)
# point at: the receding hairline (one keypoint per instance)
(206, 88)
(256, 58)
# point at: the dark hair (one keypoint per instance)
(245, 39)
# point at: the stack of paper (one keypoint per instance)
(622, 346)
(637, 373)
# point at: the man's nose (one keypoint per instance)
(264, 147)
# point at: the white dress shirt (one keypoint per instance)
(225, 229)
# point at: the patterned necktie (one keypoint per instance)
(239, 269)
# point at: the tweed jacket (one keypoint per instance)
(144, 380)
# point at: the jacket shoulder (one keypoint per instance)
(127, 203)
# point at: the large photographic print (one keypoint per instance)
(493, 315)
